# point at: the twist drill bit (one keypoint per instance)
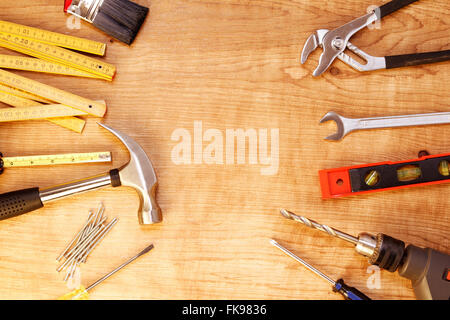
(313, 224)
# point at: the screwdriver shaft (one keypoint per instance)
(150, 247)
(303, 262)
(322, 227)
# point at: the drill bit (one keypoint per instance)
(322, 227)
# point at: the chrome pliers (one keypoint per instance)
(334, 43)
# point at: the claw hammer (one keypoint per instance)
(138, 173)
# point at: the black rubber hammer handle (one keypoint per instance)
(393, 6)
(15, 203)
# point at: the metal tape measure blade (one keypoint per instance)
(56, 159)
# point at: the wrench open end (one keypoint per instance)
(339, 124)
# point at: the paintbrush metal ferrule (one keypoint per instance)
(85, 9)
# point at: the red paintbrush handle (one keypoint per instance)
(67, 4)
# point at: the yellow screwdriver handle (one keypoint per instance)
(78, 294)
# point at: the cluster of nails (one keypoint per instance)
(84, 242)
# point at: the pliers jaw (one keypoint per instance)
(334, 42)
(314, 41)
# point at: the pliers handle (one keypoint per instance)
(334, 43)
(393, 6)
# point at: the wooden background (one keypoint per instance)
(232, 64)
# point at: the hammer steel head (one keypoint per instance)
(138, 173)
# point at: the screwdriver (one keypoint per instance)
(349, 293)
(428, 269)
(82, 293)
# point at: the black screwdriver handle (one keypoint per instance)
(2, 164)
(350, 293)
(15, 203)
(393, 6)
(414, 59)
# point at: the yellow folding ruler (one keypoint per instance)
(38, 65)
(53, 94)
(23, 94)
(72, 123)
(52, 47)
(59, 55)
(54, 38)
(54, 159)
(44, 111)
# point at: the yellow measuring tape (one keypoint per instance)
(38, 65)
(56, 54)
(54, 38)
(72, 123)
(51, 93)
(55, 159)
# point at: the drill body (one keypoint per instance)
(429, 272)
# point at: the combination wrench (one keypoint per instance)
(347, 125)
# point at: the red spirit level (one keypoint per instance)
(425, 170)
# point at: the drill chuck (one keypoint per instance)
(382, 250)
(367, 244)
(388, 253)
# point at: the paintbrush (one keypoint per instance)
(121, 19)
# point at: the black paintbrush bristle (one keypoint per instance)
(121, 19)
(113, 28)
(125, 12)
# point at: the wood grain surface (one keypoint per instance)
(232, 64)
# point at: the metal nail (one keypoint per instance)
(77, 237)
(98, 240)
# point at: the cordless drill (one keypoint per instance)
(428, 269)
